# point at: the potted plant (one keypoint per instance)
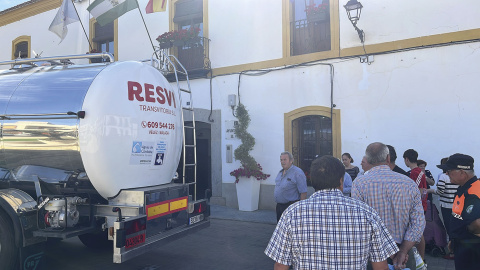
(248, 176)
(318, 12)
(178, 37)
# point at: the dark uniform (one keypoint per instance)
(466, 209)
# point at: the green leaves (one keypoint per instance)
(248, 141)
(249, 167)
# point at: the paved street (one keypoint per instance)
(226, 244)
(234, 240)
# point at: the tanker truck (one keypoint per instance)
(93, 151)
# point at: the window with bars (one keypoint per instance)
(21, 50)
(189, 15)
(309, 26)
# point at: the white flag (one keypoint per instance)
(107, 11)
(65, 16)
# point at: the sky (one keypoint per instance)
(4, 4)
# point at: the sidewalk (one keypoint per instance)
(269, 217)
(259, 216)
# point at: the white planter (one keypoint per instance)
(248, 193)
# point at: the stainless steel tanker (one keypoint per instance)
(82, 143)
(130, 134)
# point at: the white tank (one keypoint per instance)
(130, 136)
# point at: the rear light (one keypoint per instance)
(200, 207)
(191, 207)
(132, 234)
(201, 210)
(197, 207)
(135, 226)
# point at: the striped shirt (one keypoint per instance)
(396, 198)
(330, 231)
(446, 190)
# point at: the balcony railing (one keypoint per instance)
(193, 55)
(310, 35)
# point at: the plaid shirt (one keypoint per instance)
(397, 200)
(330, 231)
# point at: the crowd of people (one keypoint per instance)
(378, 220)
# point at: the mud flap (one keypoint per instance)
(33, 257)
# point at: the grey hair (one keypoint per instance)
(376, 153)
(290, 156)
(470, 172)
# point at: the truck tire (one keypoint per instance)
(8, 251)
(96, 240)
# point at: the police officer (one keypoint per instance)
(465, 222)
(290, 184)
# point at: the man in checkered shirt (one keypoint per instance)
(396, 198)
(329, 230)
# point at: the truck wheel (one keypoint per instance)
(96, 240)
(8, 251)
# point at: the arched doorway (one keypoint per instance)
(312, 136)
(311, 131)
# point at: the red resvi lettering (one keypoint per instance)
(151, 94)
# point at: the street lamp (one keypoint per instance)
(354, 9)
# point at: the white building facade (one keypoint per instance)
(310, 85)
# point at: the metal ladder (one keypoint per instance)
(171, 61)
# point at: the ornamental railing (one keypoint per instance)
(310, 35)
(193, 54)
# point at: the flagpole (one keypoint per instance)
(88, 40)
(148, 33)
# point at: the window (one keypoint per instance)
(103, 37)
(309, 26)
(21, 47)
(310, 131)
(189, 15)
(21, 50)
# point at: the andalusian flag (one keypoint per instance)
(106, 11)
(156, 6)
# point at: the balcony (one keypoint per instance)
(310, 35)
(194, 56)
